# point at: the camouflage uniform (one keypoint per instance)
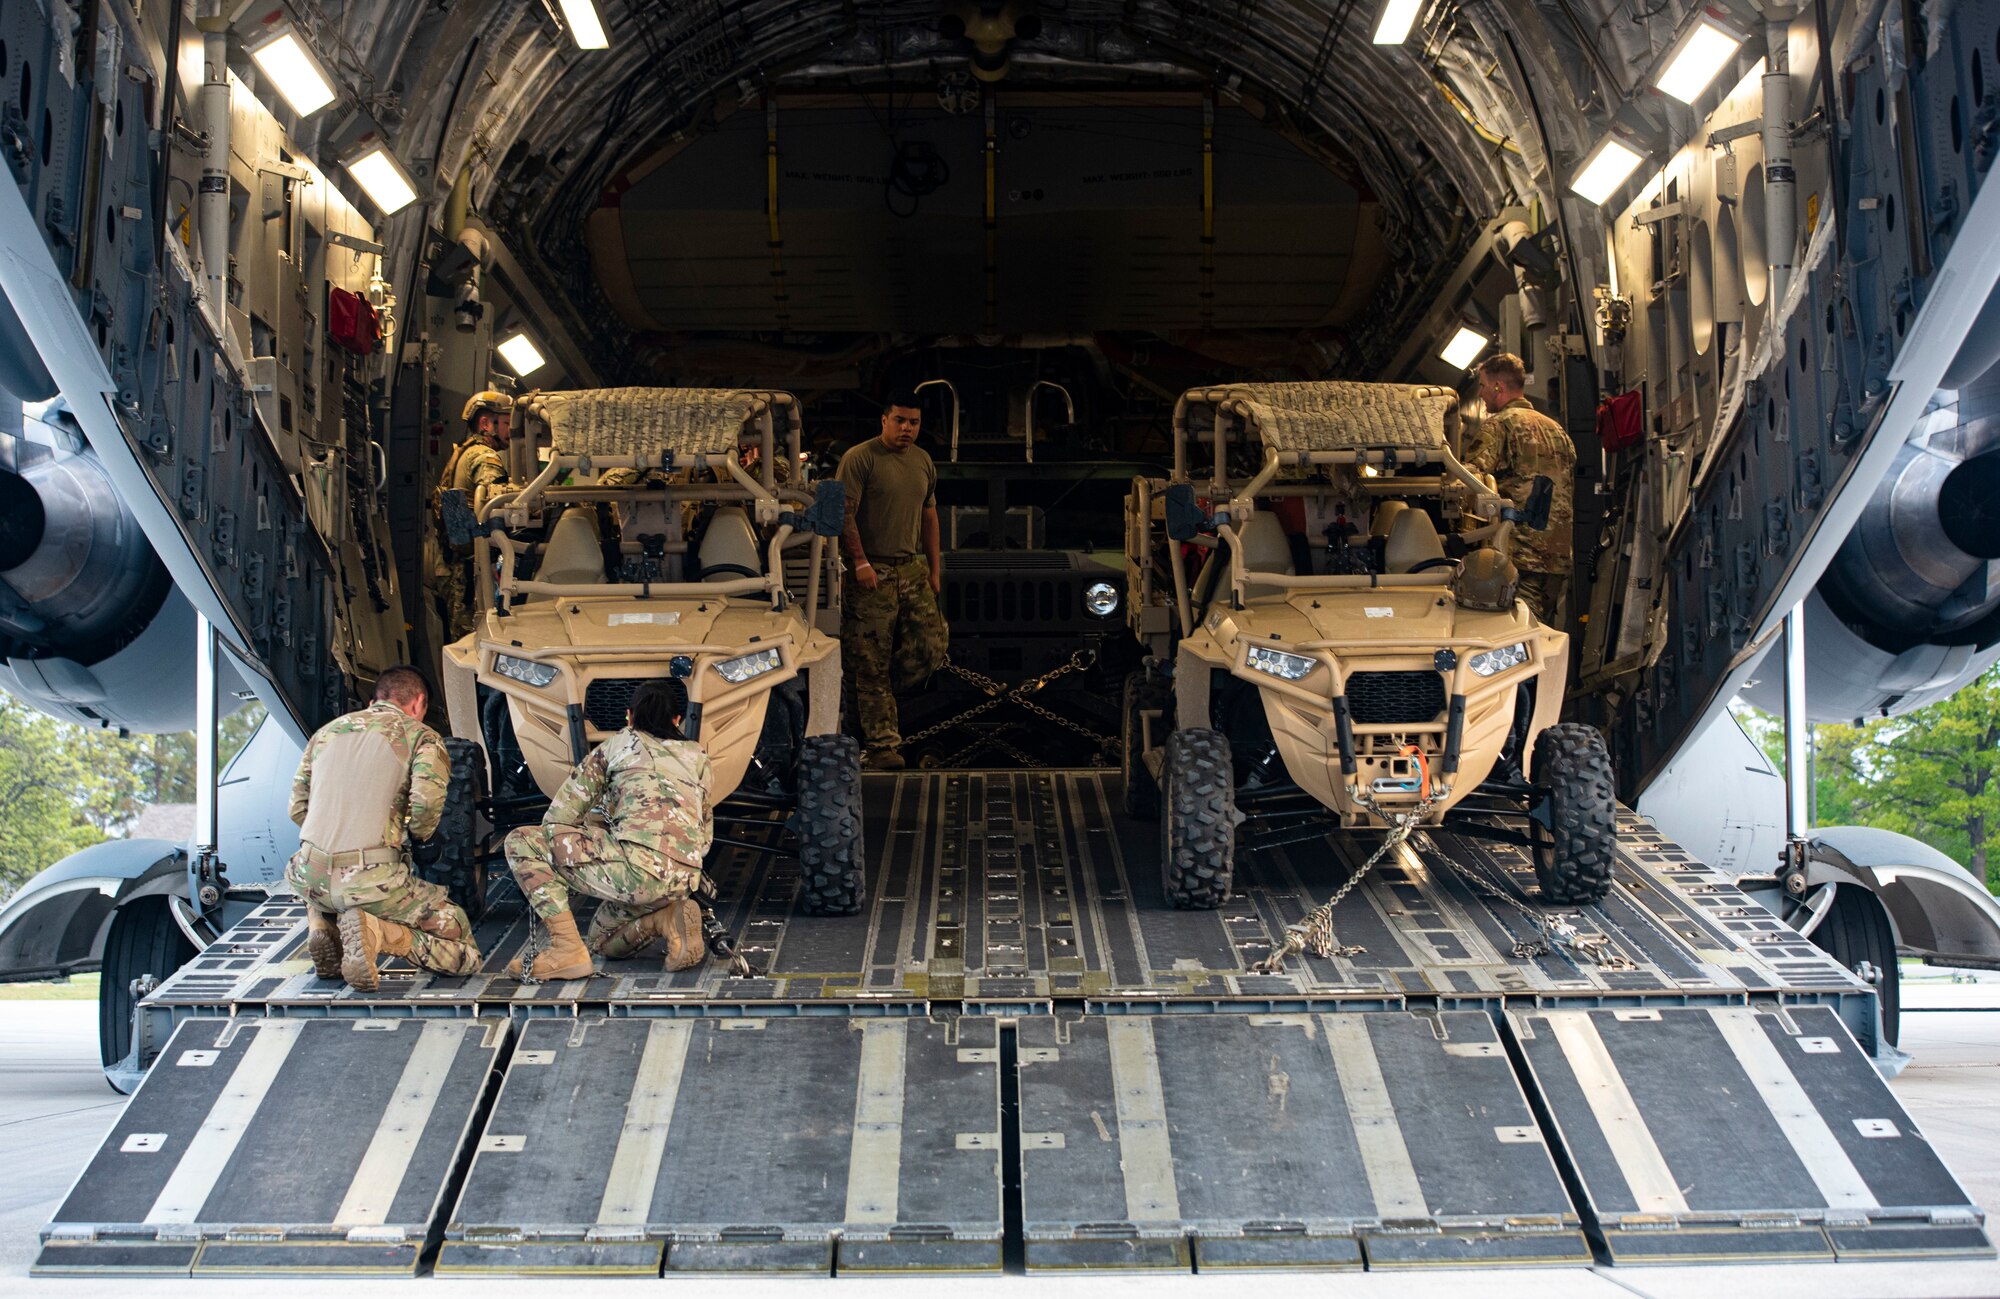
(644, 853)
(477, 470)
(1516, 445)
(368, 866)
(891, 638)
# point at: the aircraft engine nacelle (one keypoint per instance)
(1909, 610)
(92, 630)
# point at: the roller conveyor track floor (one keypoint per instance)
(1018, 1055)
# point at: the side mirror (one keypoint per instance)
(460, 525)
(1536, 512)
(827, 515)
(1185, 519)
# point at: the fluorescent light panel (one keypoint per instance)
(521, 355)
(1464, 347)
(1700, 58)
(1605, 170)
(1398, 16)
(294, 73)
(585, 28)
(379, 174)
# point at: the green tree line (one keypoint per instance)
(65, 787)
(1933, 774)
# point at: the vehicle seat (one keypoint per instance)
(1412, 540)
(1384, 517)
(572, 556)
(729, 548)
(1266, 549)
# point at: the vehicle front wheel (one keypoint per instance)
(1198, 820)
(832, 856)
(1142, 792)
(452, 856)
(1571, 762)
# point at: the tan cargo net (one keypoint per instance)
(645, 421)
(1343, 416)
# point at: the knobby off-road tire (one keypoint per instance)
(145, 940)
(451, 856)
(1198, 820)
(1142, 792)
(832, 857)
(1571, 761)
(1857, 929)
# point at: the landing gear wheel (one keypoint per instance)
(831, 856)
(1142, 792)
(145, 945)
(1570, 760)
(1198, 820)
(1856, 932)
(451, 856)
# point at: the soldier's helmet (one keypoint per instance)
(1487, 580)
(489, 402)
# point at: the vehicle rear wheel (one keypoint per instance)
(1198, 820)
(832, 858)
(1571, 762)
(1142, 792)
(452, 856)
(145, 945)
(1857, 933)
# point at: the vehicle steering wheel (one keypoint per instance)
(1426, 565)
(724, 570)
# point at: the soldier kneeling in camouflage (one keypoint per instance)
(363, 779)
(643, 858)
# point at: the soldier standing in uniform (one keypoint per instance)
(643, 857)
(1517, 444)
(478, 469)
(366, 778)
(892, 634)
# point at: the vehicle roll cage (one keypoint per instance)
(498, 554)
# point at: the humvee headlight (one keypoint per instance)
(1499, 660)
(1289, 667)
(1101, 598)
(742, 668)
(524, 670)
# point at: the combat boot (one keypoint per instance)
(323, 942)
(392, 939)
(566, 957)
(679, 922)
(360, 941)
(883, 760)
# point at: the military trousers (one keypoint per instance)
(552, 861)
(891, 639)
(440, 935)
(1543, 593)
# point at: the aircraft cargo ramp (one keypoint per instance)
(1019, 1056)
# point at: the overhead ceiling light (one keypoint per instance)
(521, 355)
(1696, 59)
(1606, 169)
(1397, 17)
(584, 26)
(294, 73)
(384, 179)
(1464, 347)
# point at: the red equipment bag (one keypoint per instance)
(353, 322)
(1621, 420)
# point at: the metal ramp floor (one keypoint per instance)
(1019, 1056)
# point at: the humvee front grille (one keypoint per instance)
(1387, 698)
(605, 702)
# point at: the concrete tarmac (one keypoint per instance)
(55, 1108)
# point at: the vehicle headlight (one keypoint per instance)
(1499, 660)
(1290, 667)
(745, 666)
(524, 670)
(1101, 598)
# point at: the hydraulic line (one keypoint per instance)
(992, 225)
(780, 299)
(1208, 209)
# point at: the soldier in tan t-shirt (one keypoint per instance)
(892, 635)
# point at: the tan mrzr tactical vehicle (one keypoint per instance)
(693, 586)
(1374, 675)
